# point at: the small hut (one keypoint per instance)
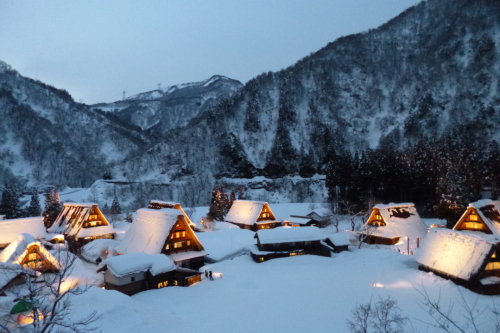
(29, 253)
(311, 219)
(482, 216)
(164, 231)
(81, 223)
(135, 272)
(288, 241)
(388, 223)
(470, 259)
(338, 242)
(156, 204)
(252, 215)
(11, 229)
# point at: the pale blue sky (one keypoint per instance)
(96, 49)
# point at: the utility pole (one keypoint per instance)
(159, 86)
(124, 95)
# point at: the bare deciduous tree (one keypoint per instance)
(48, 294)
(459, 316)
(380, 317)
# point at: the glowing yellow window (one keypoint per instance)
(178, 244)
(168, 247)
(473, 217)
(261, 259)
(32, 257)
(183, 234)
(188, 243)
(493, 266)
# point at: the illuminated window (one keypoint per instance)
(261, 259)
(293, 254)
(183, 234)
(177, 245)
(168, 247)
(188, 243)
(494, 255)
(32, 256)
(493, 266)
(473, 218)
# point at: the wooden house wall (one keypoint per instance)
(371, 239)
(34, 259)
(266, 214)
(128, 289)
(176, 236)
(319, 251)
(122, 280)
(289, 246)
(471, 220)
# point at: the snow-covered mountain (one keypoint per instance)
(430, 71)
(45, 137)
(160, 110)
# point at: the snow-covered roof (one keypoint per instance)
(11, 229)
(489, 212)
(187, 255)
(339, 239)
(402, 220)
(9, 271)
(173, 205)
(95, 231)
(149, 230)
(289, 234)
(72, 217)
(138, 262)
(97, 248)
(454, 253)
(18, 249)
(245, 211)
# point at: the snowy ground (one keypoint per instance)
(298, 294)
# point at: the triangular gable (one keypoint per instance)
(455, 254)
(74, 217)
(180, 234)
(157, 204)
(29, 252)
(249, 212)
(397, 220)
(482, 215)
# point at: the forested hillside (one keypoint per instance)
(47, 138)
(429, 76)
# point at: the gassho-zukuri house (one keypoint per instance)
(135, 272)
(470, 259)
(252, 215)
(81, 223)
(31, 254)
(481, 216)
(164, 231)
(157, 204)
(388, 223)
(288, 241)
(11, 229)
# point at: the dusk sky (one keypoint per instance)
(96, 49)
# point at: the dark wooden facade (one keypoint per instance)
(288, 249)
(179, 277)
(183, 239)
(371, 239)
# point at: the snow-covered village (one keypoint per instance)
(230, 166)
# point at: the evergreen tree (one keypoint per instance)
(218, 204)
(116, 209)
(9, 205)
(34, 208)
(53, 206)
